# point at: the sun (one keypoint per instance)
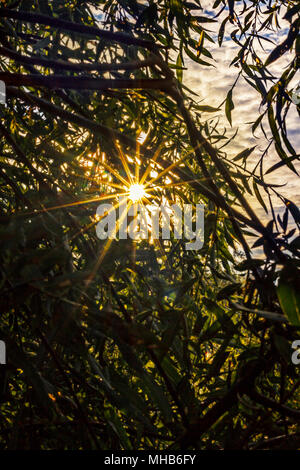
(139, 188)
(136, 192)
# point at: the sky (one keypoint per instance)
(212, 84)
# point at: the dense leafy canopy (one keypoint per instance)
(153, 347)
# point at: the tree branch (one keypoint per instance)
(265, 401)
(72, 66)
(82, 83)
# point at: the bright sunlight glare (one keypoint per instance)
(136, 192)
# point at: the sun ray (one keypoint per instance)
(153, 160)
(94, 222)
(137, 164)
(124, 162)
(170, 185)
(115, 173)
(113, 185)
(77, 203)
(172, 165)
(138, 189)
(166, 170)
(107, 244)
(134, 241)
(83, 230)
(157, 242)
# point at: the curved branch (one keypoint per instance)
(82, 83)
(72, 66)
(265, 401)
(38, 18)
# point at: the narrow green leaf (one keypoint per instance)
(179, 71)
(229, 106)
(288, 292)
(244, 154)
(259, 197)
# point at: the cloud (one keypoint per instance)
(212, 84)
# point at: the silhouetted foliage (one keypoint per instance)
(151, 348)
